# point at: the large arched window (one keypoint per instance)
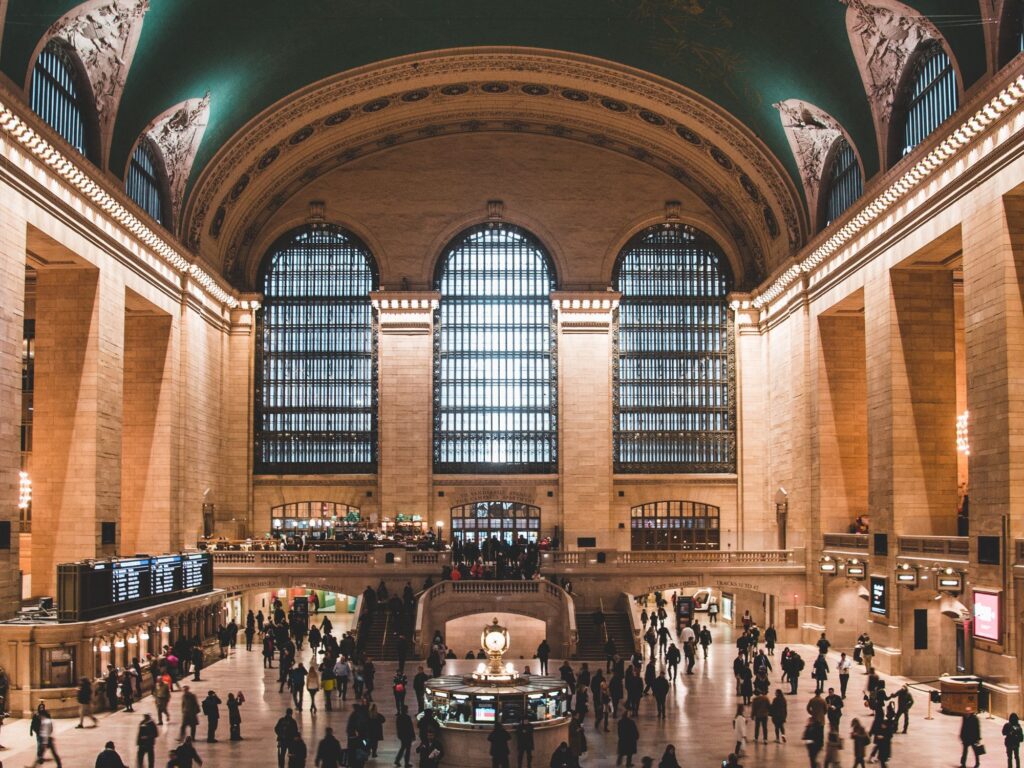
(844, 182)
(674, 393)
(495, 406)
(143, 181)
(674, 525)
(316, 378)
(56, 95)
(931, 96)
(506, 521)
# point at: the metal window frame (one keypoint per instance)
(60, 104)
(845, 183)
(661, 521)
(146, 186)
(931, 96)
(326, 466)
(462, 512)
(549, 466)
(725, 438)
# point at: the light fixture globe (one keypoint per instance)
(495, 642)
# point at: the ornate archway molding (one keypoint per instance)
(567, 96)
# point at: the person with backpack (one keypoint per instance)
(1013, 735)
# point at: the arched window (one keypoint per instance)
(506, 521)
(57, 95)
(143, 181)
(494, 355)
(930, 98)
(316, 378)
(674, 400)
(674, 525)
(844, 182)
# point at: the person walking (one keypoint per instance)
(524, 743)
(297, 752)
(629, 737)
(860, 739)
(145, 742)
(904, 702)
(162, 699)
(211, 708)
(286, 730)
(779, 711)
(739, 729)
(84, 697)
(833, 746)
(234, 705)
(543, 654)
(814, 739)
(312, 684)
(668, 758)
(970, 735)
(760, 710)
(660, 688)
(1013, 735)
(499, 750)
(185, 754)
(713, 612)
(189, 713)
(342, 673)
(771, 637)
(820, 671)
(843, 668)
(867, 653)
(42, 727)
(430, 751)
(833, 708)
(405, 730)
(329, 753)
(109, 758)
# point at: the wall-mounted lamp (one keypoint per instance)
(949, 580)
(906, 575)
(104, 647)
(856, 569)
(827, 565)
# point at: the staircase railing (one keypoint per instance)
(384, 637)
(635, 625)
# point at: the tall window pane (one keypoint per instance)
(316, 409)
(674, 394)
(844, 183)
(142, 184)
(932, 97)
(494, 363)
(55, 96)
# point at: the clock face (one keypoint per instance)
(495, 641)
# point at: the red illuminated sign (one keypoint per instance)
(986, 616)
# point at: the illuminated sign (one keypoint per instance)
(879, 597)
(986, 616)
(855, 570)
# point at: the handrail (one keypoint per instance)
(845, 540)
(574, 633)
(956, 546)
(634, 620)
(357, 611)
(604, 624)
(384, 637)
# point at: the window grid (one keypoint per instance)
(495, 373)
(675, 525)
(674, 361)
(316, 389)
(142, 184)
(932, 97)
(55, 97)
(507, 521)
(845, 184)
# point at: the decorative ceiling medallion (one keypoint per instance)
(535, 90)
(104, 34)
(340, 117)
(572, 95)
(301, 135)
(455, 90)
(177, 133)
(418, 95)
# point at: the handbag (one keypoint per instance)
(979, 748)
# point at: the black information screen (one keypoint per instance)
(92, 589)
(879, 599)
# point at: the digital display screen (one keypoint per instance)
(986, 616)
(879, 596)
(165, 574)
(89, 590)
(483, 714)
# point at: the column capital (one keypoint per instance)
(405, 311)
(585, 311)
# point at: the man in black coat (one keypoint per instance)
(109, 758)
(286, 730)
(329, 753)
(211, 708)
(146, 741)
(629, 735)
(499, 739)
(970, 735)
(405, 730)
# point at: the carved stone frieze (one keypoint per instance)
(812, 133)
(104, 34)
(177, 133)
(884, 34)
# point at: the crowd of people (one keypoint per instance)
(494, 558)
(336, 670)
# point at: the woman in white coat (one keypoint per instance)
(739, 727)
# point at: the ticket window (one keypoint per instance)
(57, 667)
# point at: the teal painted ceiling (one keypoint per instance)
(744, 55)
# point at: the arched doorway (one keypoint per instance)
(505, 520)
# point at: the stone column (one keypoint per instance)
(993, 268)
(146, 480)
(405, 355)
(78, 416)
(12, 331)
(585, 321)
(911, 423)
(234, 515)
(755, 522)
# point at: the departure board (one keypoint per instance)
(95, 588)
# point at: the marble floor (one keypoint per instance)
(699, 723)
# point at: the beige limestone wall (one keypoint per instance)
(147, 503)
(234, 515)
(12, 317)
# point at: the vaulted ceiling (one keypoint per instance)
(743, 57)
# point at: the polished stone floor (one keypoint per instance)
(699, 723)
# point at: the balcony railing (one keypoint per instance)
(854, 541)
(612, 558)
(935, 547)
(382, 557)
